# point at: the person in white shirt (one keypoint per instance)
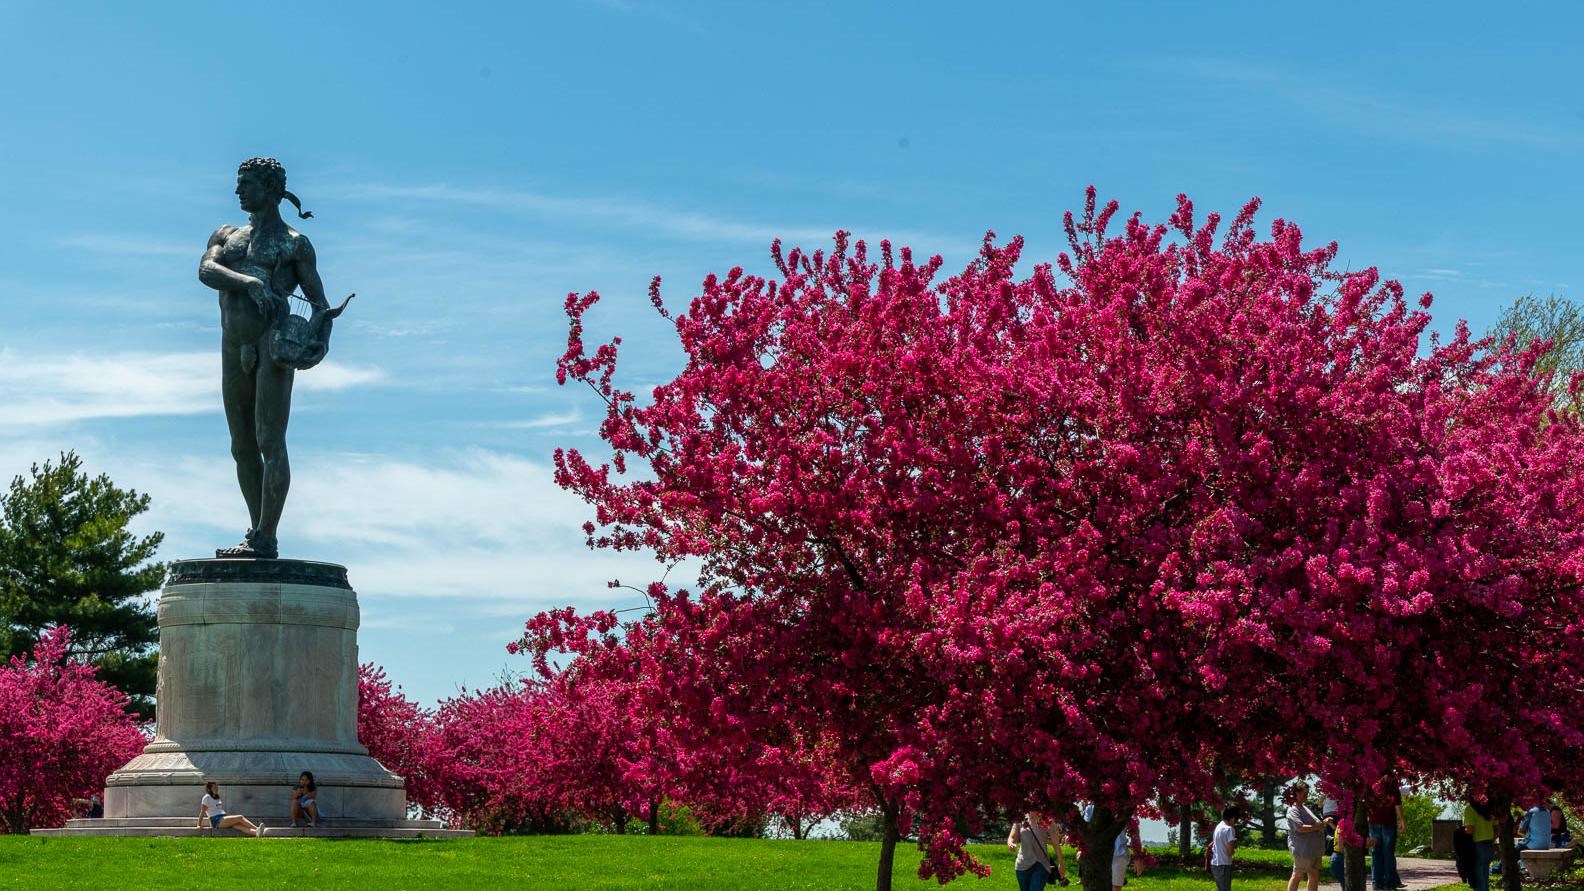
(211, 810)
(1223, 844)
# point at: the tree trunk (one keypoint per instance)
(1268, 815)
(654, 817)
(1353, 855)
(619, 820)
(1185, 832)
(888, 843)
(797, 829)
(1511, 879)
(1099, 840)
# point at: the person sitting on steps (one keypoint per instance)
(212, 811)
(304, 802)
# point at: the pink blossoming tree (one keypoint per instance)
(399, 735)
(482, 760)
(547, 756)
(1006, 542)
(62, 731)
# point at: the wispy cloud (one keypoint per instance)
(474, 525)
(487, 530)
(545, 421)
(1327, 100)
(328, 377)
(449, 552)
(41, 389)
(1448, 280)
(651, 219)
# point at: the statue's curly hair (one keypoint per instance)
(275, 175)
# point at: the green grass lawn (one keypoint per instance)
(580, 862)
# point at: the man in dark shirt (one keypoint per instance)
(1385, 822)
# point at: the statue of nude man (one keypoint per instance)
(255, 267)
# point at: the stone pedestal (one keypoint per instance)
(1541, 864)
(258, 682)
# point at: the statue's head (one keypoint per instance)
(261, 183)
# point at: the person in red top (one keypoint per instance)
(1385, 822)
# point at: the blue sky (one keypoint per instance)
(470, 164)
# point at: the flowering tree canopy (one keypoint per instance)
(787, 788)
(398, 734)
(547, 756)
(62, 731)
(1004, 541)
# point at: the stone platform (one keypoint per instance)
(167, 827)
(258, 682)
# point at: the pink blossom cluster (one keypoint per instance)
(554, 755)
(62, 731)
(532, 758)
(1182, 506)
(398, 734)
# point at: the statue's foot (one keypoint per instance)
(254, 546)
(265, 548)
(245, 549)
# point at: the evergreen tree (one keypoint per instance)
(68, 558)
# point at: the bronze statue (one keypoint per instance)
(262, 343)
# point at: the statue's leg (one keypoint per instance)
(272, 409)
(237, 390)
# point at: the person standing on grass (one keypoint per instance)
(1344, 829)
(1478, 823)
(212, 810)
(1330, 810)
(1030, 839)
(1058, 832)
(1223, 844)
(1121, 852)
(1463, 854)
(1385, 824)
(1403, 794)
(1305, 839)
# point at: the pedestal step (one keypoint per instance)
(165, 827)
(271, 820)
